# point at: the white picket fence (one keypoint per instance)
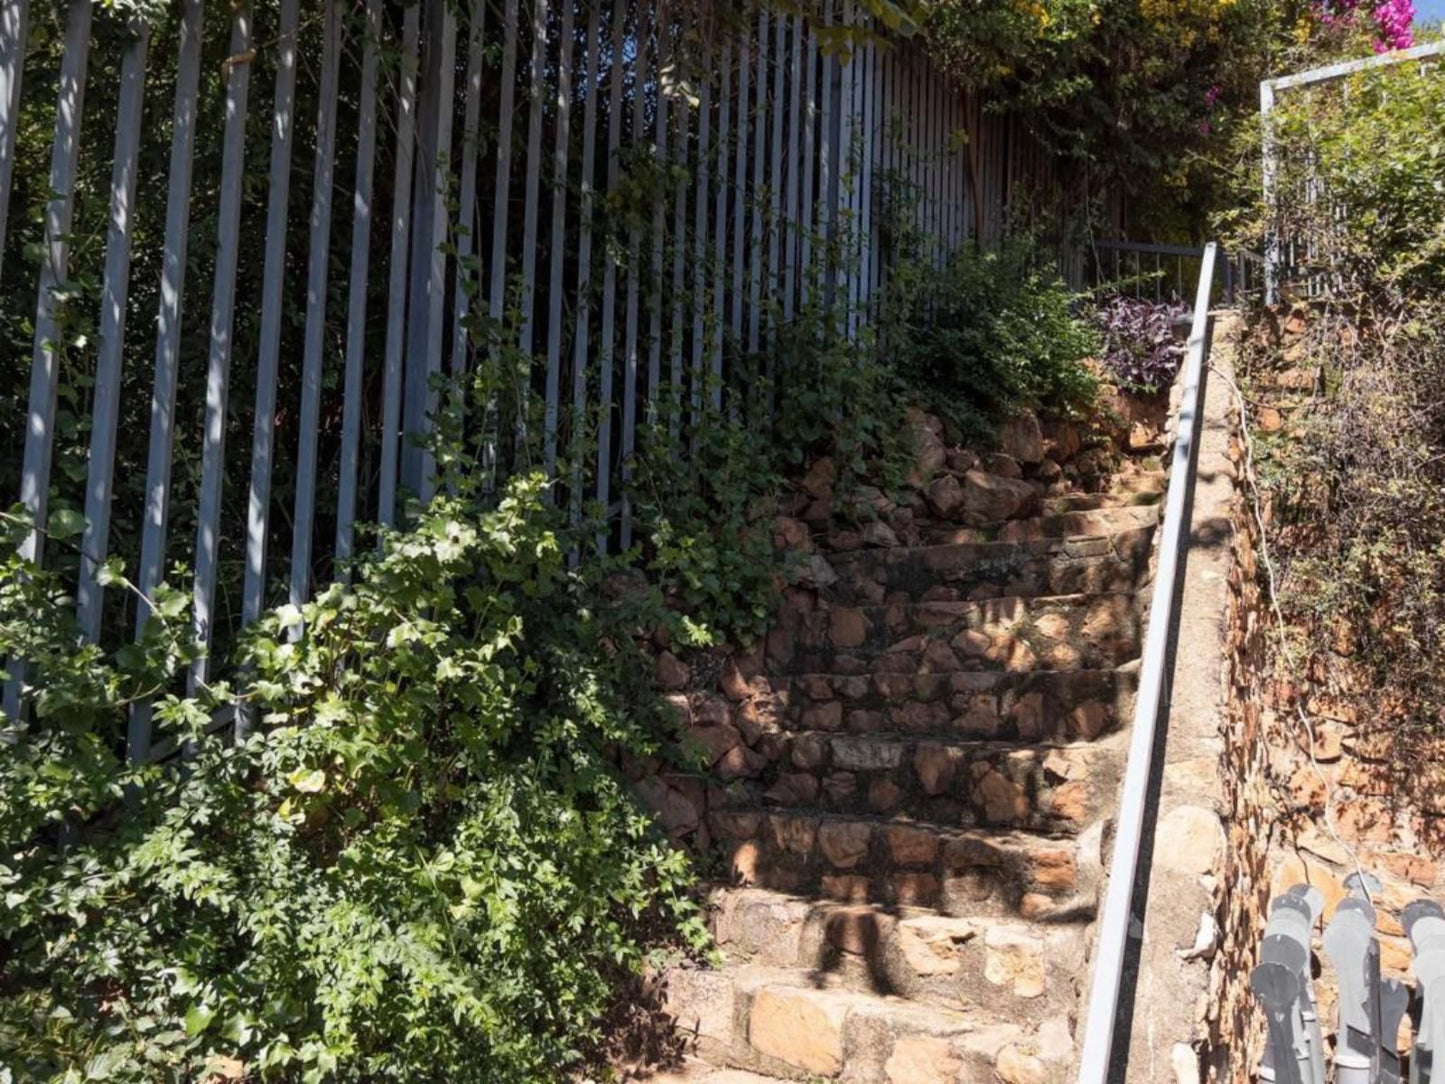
(493, 146)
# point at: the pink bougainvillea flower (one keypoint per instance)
(1395, 19)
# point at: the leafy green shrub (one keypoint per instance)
(705, 514)
(707, 538)
(993, 334)
(421, 865)
(843, 399)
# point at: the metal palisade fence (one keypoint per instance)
(270, 232)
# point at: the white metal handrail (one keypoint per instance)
(1103, 1009)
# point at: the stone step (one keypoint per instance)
(977, 570)
(1039, 705)
(1024, 970)
(1090, 523)
(894, 861)
(941, 781)
(1053, 632)
(795, 1024)
(1088, 502)
(696, 1071)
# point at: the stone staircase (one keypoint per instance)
(915, 782)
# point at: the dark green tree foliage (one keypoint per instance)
(1140, 96)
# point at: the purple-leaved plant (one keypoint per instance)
(1140, 348)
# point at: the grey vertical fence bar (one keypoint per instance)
(634, 282)
(114, 299)
(740, 182)
(582, 336)
(896, 71)
(720, 224)
(679, 236)
(223, 306)
(14, 25)
(827, 165)
(438, 145)
(790, 202)
(608, 346)
(810, 124)
(497, 272)
(654, 297)
(359, 273)
(918, 145)
(700, 229)
(960, 172)
(869, 70)
(314, 344)
(930, 165)
(427, 285)
(168, 342)
(272, 292)
(868, 111)
(778, 114)
(940, 181)
(940, 167)
(397, 273)
(951, 132)
(54, 271)
(559, 240)
(497, 269)
(531, 212)
(944, 175)
(415, 392)
(845, 181)
(467, 223)
(915, 142)
(760, 158)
